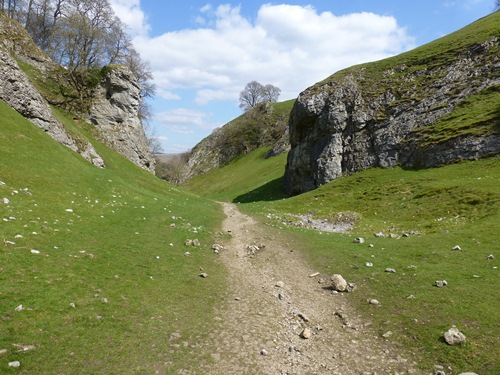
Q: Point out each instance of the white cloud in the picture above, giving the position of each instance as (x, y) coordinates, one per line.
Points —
(288, 46)
(184, 120)
(130, 12)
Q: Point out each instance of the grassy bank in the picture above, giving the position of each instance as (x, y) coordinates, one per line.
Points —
(96, 259)
(422, 215)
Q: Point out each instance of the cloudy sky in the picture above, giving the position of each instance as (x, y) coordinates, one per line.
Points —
(202, 53)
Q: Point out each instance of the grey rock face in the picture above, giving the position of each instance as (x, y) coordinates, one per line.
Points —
(355, 123)
(115, 113)
(17, 91)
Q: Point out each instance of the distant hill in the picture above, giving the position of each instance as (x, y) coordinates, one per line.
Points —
(263, 125)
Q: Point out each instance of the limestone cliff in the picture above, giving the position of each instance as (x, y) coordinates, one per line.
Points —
(114, 112)
(412, 110)
(18, 92)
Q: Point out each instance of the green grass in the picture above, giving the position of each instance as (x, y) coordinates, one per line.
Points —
(115, 245)
(454, 205)
(236, 180)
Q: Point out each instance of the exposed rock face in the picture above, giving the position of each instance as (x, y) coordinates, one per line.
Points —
(115, 113)
(352, 122)
(17, 91)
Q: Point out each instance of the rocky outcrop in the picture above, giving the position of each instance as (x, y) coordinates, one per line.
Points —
(114, 113)
(386, 114)
(19, 93)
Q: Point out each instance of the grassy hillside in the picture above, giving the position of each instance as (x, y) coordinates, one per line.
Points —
(437, 208)
(96, 259)
(419, 216)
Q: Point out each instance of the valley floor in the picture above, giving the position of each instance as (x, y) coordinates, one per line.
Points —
(273, 296)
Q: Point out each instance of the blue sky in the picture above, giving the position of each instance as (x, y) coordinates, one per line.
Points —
(203, 53)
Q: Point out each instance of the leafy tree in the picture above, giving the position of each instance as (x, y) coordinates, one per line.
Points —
(255, 93)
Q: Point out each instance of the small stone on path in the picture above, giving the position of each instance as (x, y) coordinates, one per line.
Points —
(359, 240)
(264, 352)
(373, 301)
(338, 283)
(279, 284)
(306, 333)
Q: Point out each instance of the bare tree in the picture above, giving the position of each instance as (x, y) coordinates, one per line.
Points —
(271, 93)
(251, 95)
(255, 93)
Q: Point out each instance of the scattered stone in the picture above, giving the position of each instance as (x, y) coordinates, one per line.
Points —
(379, 235)
(3, 351)
(321, 281)
(264, 352)
(104, 300)
(217, 247)
(175, 336)
(279, 284)
(369, 264)
(338, 283)
(72, 305)
(24, 348)
(314, 274)
(303, 317)
(187, 253)
(350, 287)
(15, 364)
(306, 333)
(359, 240)
(456, 248)
(203, 275)
(5, 200)
(390, 270)
(454, 337)
(439, 372)
(196, 243)
(188, 243)
(387, 334)
(411, 296)
(373, 301)
(69, 210)
(19, 308)
(467, 373)
(440, 283)
(491, 257)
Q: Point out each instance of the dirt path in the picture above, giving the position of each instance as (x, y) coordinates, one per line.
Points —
(272, 299)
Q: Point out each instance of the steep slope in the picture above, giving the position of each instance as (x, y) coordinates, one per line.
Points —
(424, 108)
(30, 81)
(17, 90)
(264, 125)
(93, 276)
